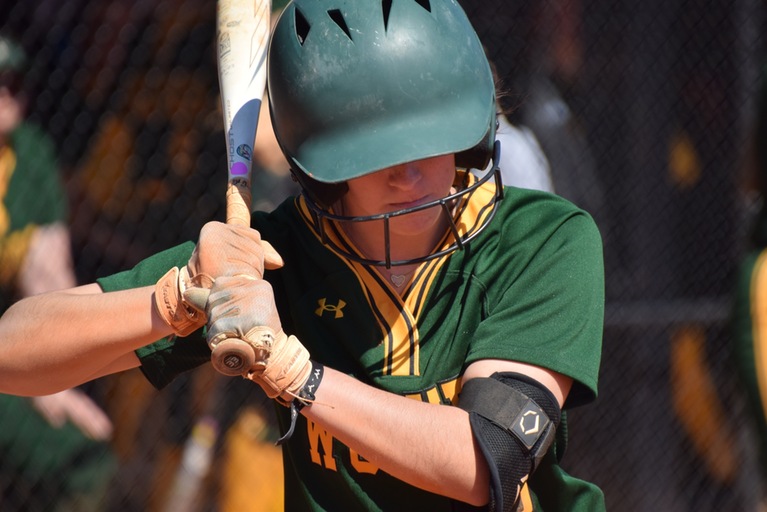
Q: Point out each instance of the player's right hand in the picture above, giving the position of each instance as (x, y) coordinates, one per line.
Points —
(244, 309)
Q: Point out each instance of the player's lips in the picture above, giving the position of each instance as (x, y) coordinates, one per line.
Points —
(410, 203)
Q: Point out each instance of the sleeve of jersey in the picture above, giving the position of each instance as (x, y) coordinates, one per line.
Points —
(552, 314)
(165, 359)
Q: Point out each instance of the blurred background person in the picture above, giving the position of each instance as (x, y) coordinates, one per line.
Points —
(638, 112)
(54, 450)
(523, 163)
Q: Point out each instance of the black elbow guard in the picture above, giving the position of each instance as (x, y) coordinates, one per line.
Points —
(514, 420)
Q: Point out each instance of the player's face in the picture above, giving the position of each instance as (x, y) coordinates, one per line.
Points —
(400, 187)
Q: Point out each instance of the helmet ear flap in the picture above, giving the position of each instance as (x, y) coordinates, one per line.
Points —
(478, 156)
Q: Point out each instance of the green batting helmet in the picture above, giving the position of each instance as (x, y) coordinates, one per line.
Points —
(356, 86)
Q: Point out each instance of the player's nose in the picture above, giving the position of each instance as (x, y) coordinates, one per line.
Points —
(405, 176)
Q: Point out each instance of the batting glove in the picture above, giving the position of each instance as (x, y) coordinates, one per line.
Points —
(243, 308)
(222, 250)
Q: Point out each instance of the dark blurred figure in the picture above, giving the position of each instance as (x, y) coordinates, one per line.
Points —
(636, 110)
(537, 51)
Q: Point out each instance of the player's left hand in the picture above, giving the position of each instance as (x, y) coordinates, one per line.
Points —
(244, 308)
(222, 250)
(230, 250)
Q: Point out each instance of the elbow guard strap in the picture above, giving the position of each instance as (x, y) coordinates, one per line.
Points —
(514, 420)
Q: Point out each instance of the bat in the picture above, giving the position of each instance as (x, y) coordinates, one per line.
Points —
(242, 32)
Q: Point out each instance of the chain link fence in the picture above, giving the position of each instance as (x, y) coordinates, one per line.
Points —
(644, 111)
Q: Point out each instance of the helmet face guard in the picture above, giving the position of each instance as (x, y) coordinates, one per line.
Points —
(449, 205)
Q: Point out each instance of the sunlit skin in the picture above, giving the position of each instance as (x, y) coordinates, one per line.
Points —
(396, 188)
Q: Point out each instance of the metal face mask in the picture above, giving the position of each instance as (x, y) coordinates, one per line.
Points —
(452, 207)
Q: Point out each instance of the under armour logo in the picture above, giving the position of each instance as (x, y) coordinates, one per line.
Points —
(337, 309)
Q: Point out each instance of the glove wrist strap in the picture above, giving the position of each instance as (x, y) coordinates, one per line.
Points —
(171, 306)
(305, 397)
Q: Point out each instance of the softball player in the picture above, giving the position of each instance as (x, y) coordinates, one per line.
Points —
(424, 330)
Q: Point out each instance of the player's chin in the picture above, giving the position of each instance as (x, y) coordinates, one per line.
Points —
(422, 223)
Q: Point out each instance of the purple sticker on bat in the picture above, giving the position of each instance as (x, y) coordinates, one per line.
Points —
(239, 169)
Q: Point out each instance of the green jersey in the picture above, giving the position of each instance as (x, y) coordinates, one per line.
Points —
(528, 288)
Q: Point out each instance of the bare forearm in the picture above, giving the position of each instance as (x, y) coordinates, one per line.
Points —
(54, 341)
(429, 446)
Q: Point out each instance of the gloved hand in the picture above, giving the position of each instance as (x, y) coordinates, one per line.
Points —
(227, 250)
(243, 307)
(222, 250)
